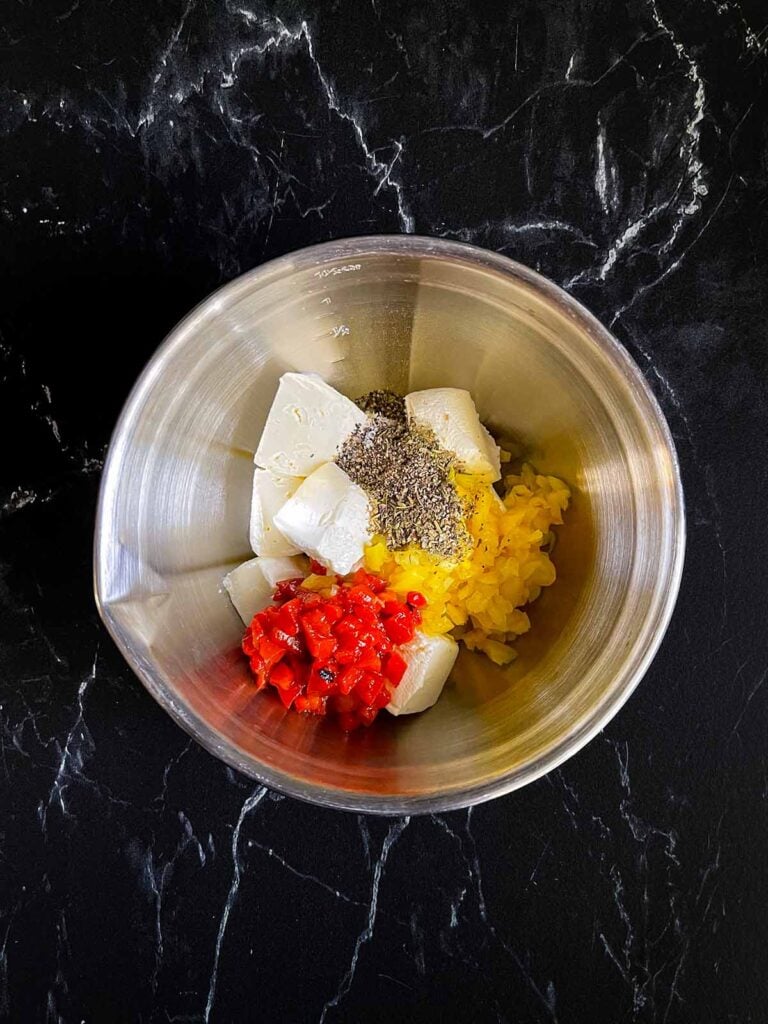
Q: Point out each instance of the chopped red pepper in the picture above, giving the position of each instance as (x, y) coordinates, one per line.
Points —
(333, 654)
(315, 704)
(286, 589)
(270, 652)
(363, 595)
(369, 687)
(285, 640)
(394, 667)
(282, 676)
(333, 611)
(348, 679)
(317, 568)
(289, 693)
(369, 660)
(400, 628)
(287, 617)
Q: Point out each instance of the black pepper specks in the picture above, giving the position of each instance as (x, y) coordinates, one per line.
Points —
(383, 403)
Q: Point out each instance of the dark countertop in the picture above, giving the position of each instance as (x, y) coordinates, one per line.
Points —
(152, 152)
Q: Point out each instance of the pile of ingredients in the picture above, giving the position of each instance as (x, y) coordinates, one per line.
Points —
(385, 537)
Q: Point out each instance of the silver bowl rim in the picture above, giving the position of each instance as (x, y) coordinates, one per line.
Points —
(417, 246)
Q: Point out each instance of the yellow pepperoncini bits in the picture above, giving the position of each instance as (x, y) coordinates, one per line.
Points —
(478, 597)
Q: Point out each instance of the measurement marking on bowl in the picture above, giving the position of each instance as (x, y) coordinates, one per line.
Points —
(341, 329)
(333, 271)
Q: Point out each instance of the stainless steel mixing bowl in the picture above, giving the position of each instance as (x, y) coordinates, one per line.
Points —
(402, 313)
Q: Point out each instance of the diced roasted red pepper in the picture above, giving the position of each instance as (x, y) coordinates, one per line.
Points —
(322, 679)
(333, 611)
(369, 633)
(369, 660)
(316, 621)
(285, 640)
(289, 694)
(383, 698)
(320, 647)
(367, 715)
(394, 667)
(367, 614)
(270, 652)
(315, 704)
(369, 687)
(347, 653)
(300, 667)
(415, 599)
(347, 626)
(363, 595)
(333, 654)
(286, 589)
(317, 568)
(361, 578)
(256, 627)
(317, 633)
(282, 676)
(287, 617)
(399, 628)
(349, 678)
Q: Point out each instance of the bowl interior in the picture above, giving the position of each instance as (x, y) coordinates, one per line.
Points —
(401, 314)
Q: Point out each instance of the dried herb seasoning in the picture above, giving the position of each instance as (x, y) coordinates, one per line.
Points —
(407, 477)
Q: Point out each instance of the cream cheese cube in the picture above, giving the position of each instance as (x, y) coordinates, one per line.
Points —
(270, 493)
(250, 586)
(329, 518)
(451, 414)
(430, 660)
(306, 424)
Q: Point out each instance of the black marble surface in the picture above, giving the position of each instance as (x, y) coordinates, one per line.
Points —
(151, 152)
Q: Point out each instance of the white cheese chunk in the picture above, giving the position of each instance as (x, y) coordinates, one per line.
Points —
(270, 493)
(430, 660)
(451, 414)
(306, 424)
(328, 517)
(250, 585)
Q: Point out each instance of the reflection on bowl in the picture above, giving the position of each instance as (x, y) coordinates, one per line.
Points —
(403, 313)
